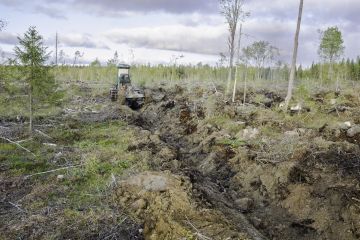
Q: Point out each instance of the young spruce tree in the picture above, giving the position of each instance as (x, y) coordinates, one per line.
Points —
(40, 83)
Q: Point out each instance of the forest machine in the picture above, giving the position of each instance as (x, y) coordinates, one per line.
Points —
(132, 96)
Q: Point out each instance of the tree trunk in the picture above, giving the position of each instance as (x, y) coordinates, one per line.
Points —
(235, 83)
(245, 85)
(230, 70)
(56, 50)
(232, 54)
(293, 64)
(30, 111)
(238, 62)
(239, 45)
(321, 75)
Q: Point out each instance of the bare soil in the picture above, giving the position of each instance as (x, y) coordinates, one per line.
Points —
(203, 183)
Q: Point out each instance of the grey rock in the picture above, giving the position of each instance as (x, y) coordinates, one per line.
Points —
(352, 132)
(60, 177)
(345, 125)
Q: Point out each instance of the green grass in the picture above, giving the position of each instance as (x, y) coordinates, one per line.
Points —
(99, 151)
(103, 153)
(19, 162)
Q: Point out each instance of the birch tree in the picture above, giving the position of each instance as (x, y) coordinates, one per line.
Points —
(232, 10)
(331, 48)
(237, 62)
(238, 55)
(294, 58)
(62, 57)
(259, 53)
(77, 56)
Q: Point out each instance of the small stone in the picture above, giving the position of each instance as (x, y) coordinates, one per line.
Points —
(245, 204)
(352, 132)
(345, 125)
(60, 177)
(332, 101)
(296, 108)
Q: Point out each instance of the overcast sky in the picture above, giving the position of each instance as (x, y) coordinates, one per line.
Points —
(156, 31)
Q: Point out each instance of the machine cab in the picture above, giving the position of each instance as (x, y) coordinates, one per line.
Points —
(123, 77)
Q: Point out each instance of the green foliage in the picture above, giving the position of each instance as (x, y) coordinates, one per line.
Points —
(302, 93)
(180, 72)
(95, 63)
(346, 69)
(31, 52)
(40, 82)
(331, 46)
(19, 162)
(259, 52)
(114, 61)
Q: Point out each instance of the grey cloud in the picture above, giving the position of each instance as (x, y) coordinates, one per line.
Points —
(276, 22)
(11, 2)
(197, 19)
(113, 7)
(319, 10)
(49, 8)
(50, 12)
(201, 39)
(271, 20)
(80, 40)
(8, 38)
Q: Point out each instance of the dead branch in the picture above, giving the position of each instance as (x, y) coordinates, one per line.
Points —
(17, 207)
(17, 144)
(214, 86)
(198, 234)
(24, 140)
(51, 171)
(43, 134)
